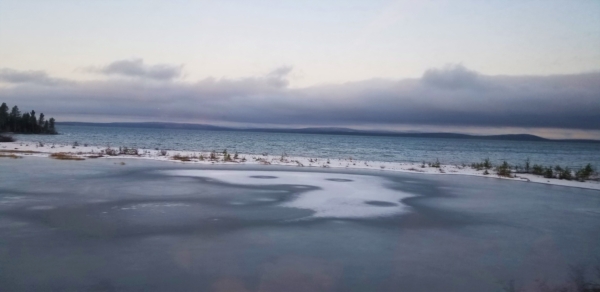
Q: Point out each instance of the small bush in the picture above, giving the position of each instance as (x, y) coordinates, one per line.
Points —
(128, 151)
(537, 169)
(584, 173)
(504, 170)
(548, 173)
(435, 164)
(486, 164)
(65, 156)
(163, 152)
(181, 158)
(111, 152)
(565, 174)
(6, 139)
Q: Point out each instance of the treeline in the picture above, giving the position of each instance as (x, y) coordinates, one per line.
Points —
(26, 123)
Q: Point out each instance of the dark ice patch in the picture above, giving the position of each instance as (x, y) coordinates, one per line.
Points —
(263, 176)
(381, 203)
(339, 179)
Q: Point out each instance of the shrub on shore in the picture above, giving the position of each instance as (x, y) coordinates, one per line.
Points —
(504, 170)
(565, 174)
(557, 172)
(435, 164)
(584, 173)
(128, 151)
(181, 158)
(6, 138)
(537, 169)
(65, 156)
(486, 164)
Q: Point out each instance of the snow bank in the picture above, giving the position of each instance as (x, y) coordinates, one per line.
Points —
(34, 149)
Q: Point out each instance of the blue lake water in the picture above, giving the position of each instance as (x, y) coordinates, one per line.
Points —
(393, 149)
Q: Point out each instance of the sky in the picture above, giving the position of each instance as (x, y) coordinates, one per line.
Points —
(451, 66)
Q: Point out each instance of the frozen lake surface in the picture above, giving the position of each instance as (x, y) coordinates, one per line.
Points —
(156, 226)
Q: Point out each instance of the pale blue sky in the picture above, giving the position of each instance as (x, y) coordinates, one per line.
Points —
(324, 41)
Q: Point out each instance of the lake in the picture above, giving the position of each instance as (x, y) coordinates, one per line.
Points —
(371, 148)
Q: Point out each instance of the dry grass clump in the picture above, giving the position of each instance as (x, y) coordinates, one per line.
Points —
(181, 158)
(65, 156)
(10, 156)
(19, 151)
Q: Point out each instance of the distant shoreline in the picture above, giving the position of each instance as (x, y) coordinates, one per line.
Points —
(329, 131)
(69, 152)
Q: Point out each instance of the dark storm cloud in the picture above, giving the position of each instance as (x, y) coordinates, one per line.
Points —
(137, 68)
(451, 96)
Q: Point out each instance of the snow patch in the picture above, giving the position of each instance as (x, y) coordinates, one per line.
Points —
(337, 196)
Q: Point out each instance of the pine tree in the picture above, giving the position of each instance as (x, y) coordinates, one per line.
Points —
(51, 129)
(26, 123)
(3, 117)
(41, 123)
(14, 119)
(32, 122)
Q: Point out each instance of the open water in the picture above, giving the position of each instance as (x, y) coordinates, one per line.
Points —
(390, 149)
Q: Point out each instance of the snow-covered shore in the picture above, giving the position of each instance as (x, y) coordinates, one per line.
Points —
(23, 148)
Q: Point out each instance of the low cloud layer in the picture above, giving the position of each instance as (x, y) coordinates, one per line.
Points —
(137, 68)
(11, 76)
(450, 96)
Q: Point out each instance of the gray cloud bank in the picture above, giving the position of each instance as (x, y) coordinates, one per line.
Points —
(450, 96)
(8, 75)
(137, 68)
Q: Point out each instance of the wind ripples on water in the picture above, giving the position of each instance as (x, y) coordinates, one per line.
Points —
(371, 148)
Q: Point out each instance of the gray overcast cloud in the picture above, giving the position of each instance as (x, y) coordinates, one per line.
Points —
(449, 96)
(137, 68)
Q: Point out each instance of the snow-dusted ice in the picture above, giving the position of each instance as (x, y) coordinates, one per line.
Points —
(337, 196)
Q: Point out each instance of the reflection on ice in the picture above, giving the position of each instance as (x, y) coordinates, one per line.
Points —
(337, 196)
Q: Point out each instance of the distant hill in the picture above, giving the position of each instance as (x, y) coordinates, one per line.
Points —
(152, 125)
(328, 131)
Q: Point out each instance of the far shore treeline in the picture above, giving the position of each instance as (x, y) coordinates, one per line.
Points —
(27, 123)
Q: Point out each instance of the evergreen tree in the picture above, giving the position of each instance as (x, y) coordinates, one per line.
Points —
(27, 123)
(14, 119)
(32, 122)
(3, 117)
(25, 119)
(41, 123)
(51, 129)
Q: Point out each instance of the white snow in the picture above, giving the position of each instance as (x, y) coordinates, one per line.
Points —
(18, 148)
(345, 196)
